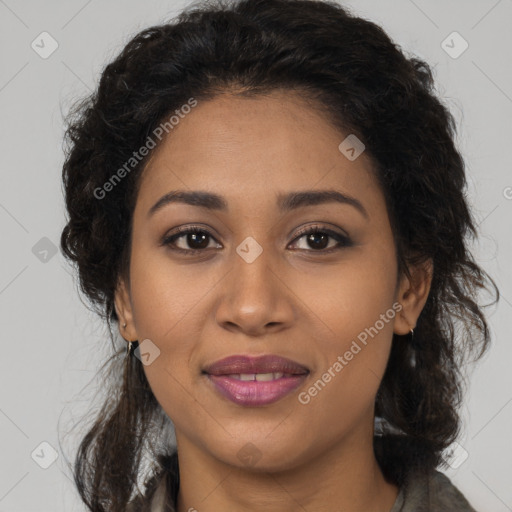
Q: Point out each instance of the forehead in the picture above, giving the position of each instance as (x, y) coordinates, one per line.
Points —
(243, 148)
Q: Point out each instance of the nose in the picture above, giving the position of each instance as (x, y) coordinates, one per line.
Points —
(255, 298)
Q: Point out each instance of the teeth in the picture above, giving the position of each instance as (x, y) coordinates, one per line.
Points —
(256, 376)
(268, 376)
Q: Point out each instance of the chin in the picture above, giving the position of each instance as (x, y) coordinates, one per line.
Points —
(259, 456)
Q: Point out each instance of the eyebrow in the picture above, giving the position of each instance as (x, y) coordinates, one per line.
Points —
(285, 202)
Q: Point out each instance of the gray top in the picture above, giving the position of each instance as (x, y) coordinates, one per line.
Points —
(433, 494)
(418, 494)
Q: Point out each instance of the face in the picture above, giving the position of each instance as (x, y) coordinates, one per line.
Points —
(254, 284)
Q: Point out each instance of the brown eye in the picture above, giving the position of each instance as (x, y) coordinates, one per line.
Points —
(317, 239)
(195, 239)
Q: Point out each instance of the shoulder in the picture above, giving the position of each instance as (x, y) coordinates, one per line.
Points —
(432, 493)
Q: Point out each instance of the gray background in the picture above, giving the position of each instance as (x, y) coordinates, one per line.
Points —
(52, 345)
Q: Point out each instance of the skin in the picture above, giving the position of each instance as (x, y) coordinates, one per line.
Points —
(291, 301)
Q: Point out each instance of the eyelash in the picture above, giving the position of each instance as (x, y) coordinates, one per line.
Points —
(342, 240)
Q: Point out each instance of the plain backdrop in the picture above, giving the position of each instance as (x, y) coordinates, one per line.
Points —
(51, 343)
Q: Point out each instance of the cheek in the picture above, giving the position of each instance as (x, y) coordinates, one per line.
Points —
(167, 310)
(352, 294)
(343, 391)
(165, 294)
(354, 308)
(173, 389)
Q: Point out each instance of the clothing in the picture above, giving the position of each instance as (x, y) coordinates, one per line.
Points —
(433, 494)
(412, 497)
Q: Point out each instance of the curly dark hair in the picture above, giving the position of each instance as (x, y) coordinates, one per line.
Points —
(365, 85)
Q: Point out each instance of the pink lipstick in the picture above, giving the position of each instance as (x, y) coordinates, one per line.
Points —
(256, 381)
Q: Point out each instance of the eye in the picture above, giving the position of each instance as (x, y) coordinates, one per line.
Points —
(195, 236)
(198, 239)
(318, 238)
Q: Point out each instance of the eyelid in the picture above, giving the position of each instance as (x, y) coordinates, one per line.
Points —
(180, 231)
(320, 227)
(343, 239)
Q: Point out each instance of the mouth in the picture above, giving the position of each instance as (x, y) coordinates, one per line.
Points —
(255, 381)
(250, 365)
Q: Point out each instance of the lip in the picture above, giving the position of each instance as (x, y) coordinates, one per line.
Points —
(253, 392)
(255, 364)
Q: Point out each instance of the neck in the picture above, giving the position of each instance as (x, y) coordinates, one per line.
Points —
(345, 477)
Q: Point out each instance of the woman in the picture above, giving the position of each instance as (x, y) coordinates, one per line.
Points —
(265, 197)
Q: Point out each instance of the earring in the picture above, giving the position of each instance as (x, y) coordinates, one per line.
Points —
(130, 344)
(413, 349)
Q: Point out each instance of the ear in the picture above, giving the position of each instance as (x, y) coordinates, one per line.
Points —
(412, 295)
(123, 306)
